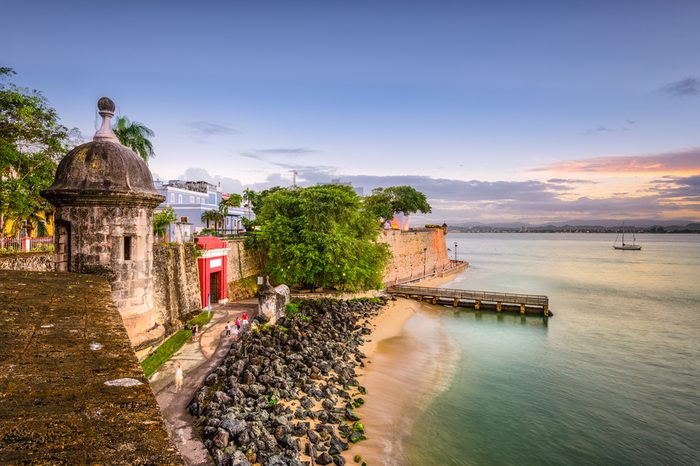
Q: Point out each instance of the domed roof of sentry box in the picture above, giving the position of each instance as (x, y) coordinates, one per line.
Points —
(103, 171)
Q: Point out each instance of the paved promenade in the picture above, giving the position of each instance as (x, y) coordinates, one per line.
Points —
(197, 358)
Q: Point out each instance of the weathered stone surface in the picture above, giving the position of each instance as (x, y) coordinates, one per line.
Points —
(55, 407)
(30, 261)
(414, 251)
(243, 267)
(176, 291)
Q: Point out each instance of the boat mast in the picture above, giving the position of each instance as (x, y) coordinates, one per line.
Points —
(623, 233)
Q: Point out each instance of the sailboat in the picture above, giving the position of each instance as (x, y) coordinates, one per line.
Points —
(626, 246)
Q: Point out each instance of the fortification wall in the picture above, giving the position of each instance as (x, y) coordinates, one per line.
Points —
(176, 291)
(29, 261)
(73, 396)
(243, 267)
(414, 252)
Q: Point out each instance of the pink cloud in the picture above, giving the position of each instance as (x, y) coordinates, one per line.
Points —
(684, 161)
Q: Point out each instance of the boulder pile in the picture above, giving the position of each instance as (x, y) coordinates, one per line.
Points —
(286, 393)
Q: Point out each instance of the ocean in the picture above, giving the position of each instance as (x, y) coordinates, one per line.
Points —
(612, 379)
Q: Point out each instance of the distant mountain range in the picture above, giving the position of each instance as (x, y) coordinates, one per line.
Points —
(597, 226)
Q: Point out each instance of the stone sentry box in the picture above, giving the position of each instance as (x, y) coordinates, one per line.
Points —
(104, 198)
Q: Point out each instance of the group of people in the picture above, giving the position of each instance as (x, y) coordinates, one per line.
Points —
(231, 331)
(234, 330)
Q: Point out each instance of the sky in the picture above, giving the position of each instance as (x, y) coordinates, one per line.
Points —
(499, 111)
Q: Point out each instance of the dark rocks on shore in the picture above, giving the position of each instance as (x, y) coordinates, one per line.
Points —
(288, 389)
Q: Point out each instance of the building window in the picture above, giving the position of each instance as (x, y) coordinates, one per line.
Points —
(184, 220)
(127, 248)
(179, 198)
(191, 199)
(172, 197)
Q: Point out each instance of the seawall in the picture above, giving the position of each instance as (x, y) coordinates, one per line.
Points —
(176, 290)
(71, 388)
(243, 266)
(415, 253)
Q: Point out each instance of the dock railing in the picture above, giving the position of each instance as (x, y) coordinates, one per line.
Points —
(523, 302)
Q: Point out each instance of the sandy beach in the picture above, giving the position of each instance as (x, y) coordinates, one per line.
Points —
(409, 361)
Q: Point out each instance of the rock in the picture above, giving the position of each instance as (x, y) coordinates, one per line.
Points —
(324, 458)
(239, 459)
(233, 426)
(350, 415)
(356, 436)
(211, 380)
(221, 439)
(338, 460)
(221, 397)
(337, 446)
(313, 360)
(313, 436)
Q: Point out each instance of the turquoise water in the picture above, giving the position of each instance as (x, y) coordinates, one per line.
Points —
(612, 378)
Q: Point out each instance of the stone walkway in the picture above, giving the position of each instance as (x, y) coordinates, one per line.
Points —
(197, 358)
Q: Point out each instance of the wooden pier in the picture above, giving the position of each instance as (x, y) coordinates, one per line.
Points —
(522, 303)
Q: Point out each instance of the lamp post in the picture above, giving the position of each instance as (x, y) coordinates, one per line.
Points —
(455, 250)
(425, 250)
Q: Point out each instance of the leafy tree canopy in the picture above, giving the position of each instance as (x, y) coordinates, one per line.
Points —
(31, 142)
(234, 200)
(135, 136)
(319, 236)
(162, 219)
(385, 202)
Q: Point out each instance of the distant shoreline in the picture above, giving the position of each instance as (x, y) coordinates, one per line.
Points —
(591, 230)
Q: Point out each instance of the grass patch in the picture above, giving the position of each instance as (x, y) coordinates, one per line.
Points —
(170, 346)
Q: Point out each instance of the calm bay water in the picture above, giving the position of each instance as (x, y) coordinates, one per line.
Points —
(612, 378)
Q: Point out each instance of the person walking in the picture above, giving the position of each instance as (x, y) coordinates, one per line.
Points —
(235, 332)
(228, 329)
(179, 377)
(238, 323)
(245, 319)
(195, 331)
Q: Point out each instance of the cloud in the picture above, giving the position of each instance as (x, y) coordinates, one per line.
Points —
(271, 155)
(685, 87)
(570, 181)
(286, 151)
(210, 128)
(531, 201)
(252, 155)
(228, 185)
(663, 163)
(600, 129)
(608, 129)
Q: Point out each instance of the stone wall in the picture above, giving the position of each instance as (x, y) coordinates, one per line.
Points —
(176, 291)
(243, 268)
(413, 252)
(72, 389)
(30, 261)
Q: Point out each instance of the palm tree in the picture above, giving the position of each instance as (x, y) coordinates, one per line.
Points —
(135, 136)
(212, 216)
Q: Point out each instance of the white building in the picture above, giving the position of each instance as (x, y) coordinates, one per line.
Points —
(191, 199)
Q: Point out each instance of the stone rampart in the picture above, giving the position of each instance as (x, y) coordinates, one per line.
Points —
(29, 261)
(415, 253)
(72, 390)
(243, 267)
(176, 291)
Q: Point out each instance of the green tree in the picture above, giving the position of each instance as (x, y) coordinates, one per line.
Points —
(135, 136)
(320, 236)
(234, 200)
(214, 216)
(385, 202)
(161, 221)
(31, 142)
